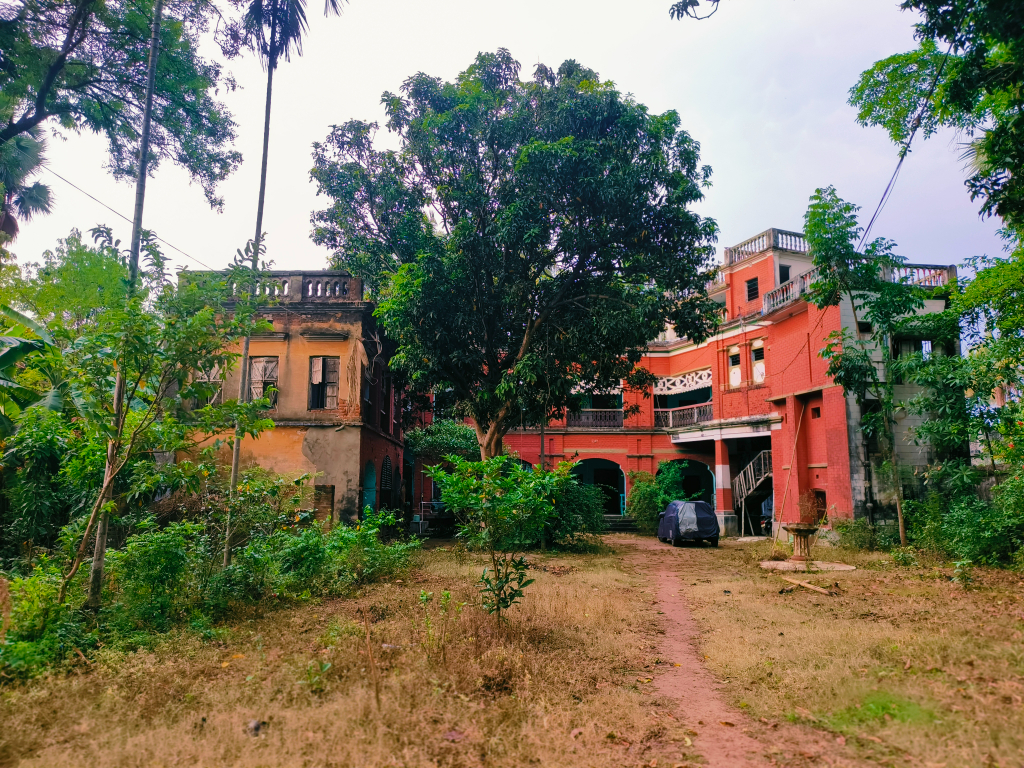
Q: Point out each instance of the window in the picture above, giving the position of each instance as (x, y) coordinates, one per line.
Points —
(816, 412)
(783, 273)
(757, 361)
(752, 292)
(926, 349)
(212, 382)
(735, 374)
(323, 383)
(263, 379)
(863, 327)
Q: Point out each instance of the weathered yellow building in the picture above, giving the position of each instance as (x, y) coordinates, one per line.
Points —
(336, 413)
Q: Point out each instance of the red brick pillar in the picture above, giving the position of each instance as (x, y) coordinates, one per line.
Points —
(723, 479)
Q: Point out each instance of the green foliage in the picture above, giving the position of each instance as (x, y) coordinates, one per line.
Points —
(968, 75)
(437, 625)
(502, 508)
(858, 534)
(170, 576)
(443, 437)
(578, 515)
(581, 248)
(81, 65)
(649, 494)
(645, 502)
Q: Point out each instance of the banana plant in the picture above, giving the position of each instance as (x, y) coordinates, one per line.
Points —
(15, 347)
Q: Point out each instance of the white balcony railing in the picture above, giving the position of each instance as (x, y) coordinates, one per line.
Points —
(686, 416)
(789, 291)
(595, 418)
(924, 275)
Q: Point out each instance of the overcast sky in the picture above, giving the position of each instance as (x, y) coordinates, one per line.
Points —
(762, 86)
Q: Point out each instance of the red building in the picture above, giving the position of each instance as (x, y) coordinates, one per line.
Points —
(751, 411)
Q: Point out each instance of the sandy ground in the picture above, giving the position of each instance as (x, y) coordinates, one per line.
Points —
(725, 736)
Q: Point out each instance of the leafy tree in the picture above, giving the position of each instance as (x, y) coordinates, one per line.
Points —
(526, 241)
(81, 65)
(74, 284)
(966, 74)
(864, 367)
(21, 199)
(273, 29)
(443, 437)
(154, 342)
(502, 508)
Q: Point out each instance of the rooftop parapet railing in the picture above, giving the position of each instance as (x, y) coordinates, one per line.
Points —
(320, 286)
(779, 239)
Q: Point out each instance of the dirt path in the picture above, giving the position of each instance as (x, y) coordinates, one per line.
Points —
(701, 708)
(726, 737)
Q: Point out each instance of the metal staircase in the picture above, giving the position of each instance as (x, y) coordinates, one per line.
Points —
(751, 477)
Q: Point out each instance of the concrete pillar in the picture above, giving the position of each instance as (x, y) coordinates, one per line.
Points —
(727, 523)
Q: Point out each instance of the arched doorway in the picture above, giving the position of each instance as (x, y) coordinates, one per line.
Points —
(697, 481)
(608, 476)
(369, 487)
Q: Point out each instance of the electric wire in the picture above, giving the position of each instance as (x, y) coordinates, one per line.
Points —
(118, 213)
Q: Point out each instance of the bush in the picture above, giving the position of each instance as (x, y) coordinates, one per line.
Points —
(171, 576)
(503, 508)
(645, 501)
(41, 633)
(856, 534)
(578, 513)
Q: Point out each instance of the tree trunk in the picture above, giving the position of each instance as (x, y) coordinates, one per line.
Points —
(243, 386)
(113, 445)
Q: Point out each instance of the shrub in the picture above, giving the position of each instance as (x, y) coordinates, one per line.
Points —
(856, 534)
(41, 633)
(578, 513)
(645, 501)
(502, 508)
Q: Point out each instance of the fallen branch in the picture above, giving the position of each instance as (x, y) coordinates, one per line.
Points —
(806, 585)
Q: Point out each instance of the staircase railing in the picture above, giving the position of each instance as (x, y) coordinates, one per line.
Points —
(752, 475)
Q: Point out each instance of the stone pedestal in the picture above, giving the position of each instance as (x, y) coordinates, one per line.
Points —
(802, 533)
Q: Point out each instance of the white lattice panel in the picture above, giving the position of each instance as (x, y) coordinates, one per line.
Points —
(676, 385)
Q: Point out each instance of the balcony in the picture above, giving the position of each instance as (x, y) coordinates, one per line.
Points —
(787, 292)
(686, 416)
(595, 418)
(923, 275)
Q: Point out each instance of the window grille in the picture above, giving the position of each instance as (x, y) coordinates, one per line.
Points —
(752, 291)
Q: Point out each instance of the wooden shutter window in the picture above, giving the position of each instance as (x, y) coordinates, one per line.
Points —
(332, 366)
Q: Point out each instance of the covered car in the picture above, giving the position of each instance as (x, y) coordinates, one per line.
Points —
(688, 521)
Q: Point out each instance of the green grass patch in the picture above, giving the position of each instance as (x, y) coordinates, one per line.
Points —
(875, 708)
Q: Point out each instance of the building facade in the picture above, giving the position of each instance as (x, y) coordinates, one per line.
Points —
(752, 411)
(336, 414)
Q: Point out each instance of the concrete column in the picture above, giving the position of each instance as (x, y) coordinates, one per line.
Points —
(727, 523)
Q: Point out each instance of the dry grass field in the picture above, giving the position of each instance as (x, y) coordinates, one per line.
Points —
(558, 685)
(901, 667)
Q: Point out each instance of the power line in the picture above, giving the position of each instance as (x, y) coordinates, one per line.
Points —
(905, 150)
(118, 213)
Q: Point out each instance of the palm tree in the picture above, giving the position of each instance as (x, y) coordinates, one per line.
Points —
(273, 29)
(20, 159)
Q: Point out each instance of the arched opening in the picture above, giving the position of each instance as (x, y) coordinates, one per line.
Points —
(385, 483)
(369, 487)
(696, 480)
(609, 477)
